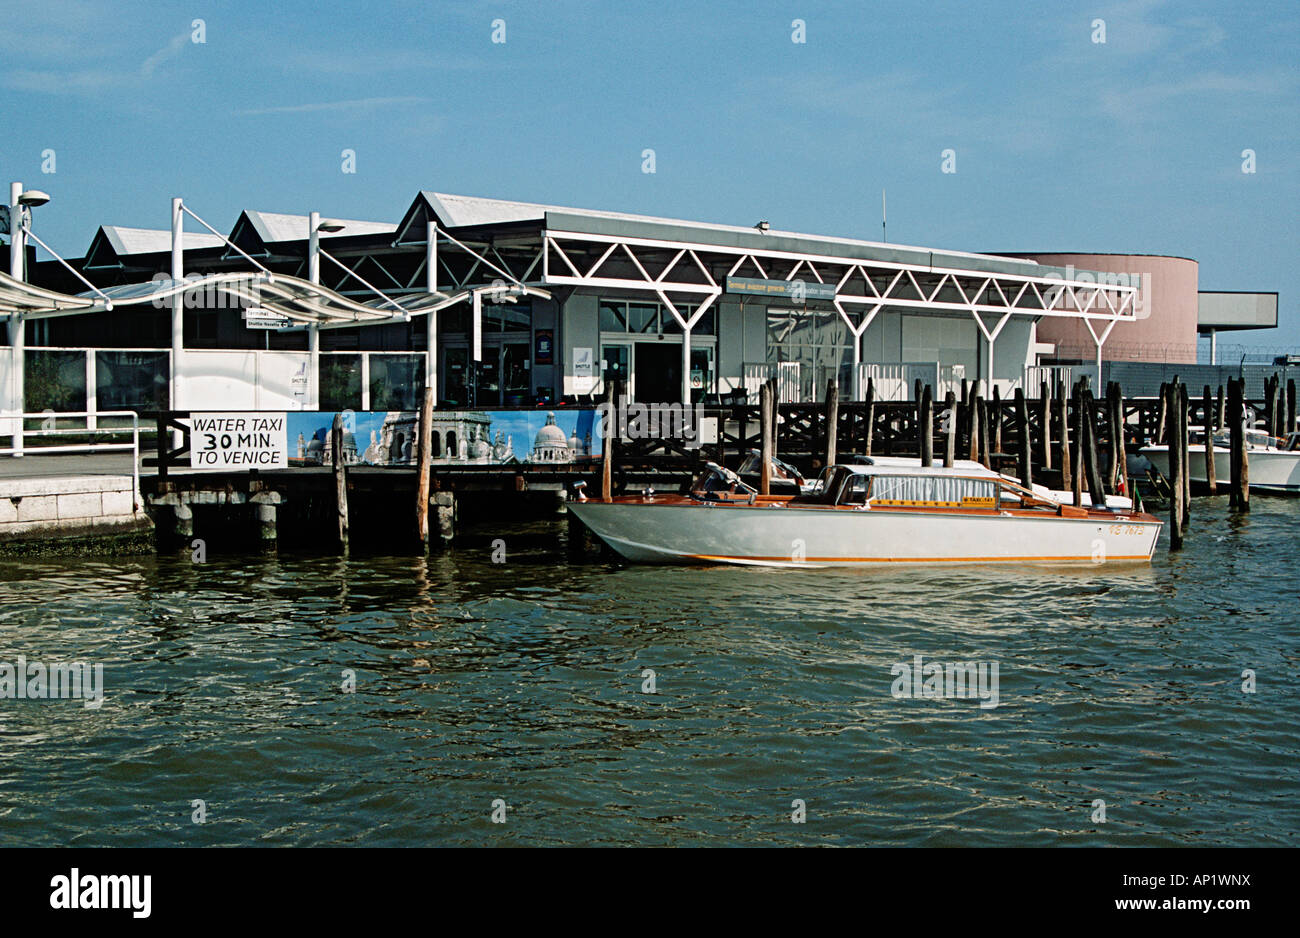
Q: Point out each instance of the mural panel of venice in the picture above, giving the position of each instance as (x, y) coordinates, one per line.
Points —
(462, 437)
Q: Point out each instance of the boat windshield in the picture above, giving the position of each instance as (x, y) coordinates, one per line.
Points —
(753, 465)
(932, 491)
(716, 483)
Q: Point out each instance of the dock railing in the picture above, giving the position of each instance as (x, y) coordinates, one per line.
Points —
(92, 429)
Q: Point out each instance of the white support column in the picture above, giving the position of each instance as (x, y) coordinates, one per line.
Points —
(365, 381)
(990, 336)
(431, 276)
(476, 352)
(1214, 347)
(855, 378)
(17, 323)
(686, 365)
(1100, 341)
(988, 374)
(92, 390)
(178, 308)
(313, 329)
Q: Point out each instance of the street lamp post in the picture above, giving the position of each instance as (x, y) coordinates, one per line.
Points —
(314, 228)
(20, 206)
(17, 328)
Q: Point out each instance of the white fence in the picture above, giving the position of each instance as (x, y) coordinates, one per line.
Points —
(788, 388)
(49, 428)
(896, 381)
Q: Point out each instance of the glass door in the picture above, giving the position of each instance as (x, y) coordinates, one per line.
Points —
(455, 375)
(515, 388)
(701, 373)
(614, 360)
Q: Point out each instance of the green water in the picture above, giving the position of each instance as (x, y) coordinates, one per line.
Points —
(525, 681)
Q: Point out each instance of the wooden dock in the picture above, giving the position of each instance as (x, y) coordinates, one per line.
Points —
(1067, 438)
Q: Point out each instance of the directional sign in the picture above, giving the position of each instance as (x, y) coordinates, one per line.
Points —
(258, 318)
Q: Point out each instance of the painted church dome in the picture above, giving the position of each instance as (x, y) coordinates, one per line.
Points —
(550, 435)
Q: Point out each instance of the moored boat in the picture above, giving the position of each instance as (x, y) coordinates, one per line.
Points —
(886, 510)
(1273, 467)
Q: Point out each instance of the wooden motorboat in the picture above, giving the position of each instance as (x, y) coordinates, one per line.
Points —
(885, 510)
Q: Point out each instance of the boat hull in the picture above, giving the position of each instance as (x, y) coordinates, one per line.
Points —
(684, 532)
(1270, 470)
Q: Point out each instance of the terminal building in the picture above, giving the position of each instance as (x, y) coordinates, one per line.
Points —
(495, 303)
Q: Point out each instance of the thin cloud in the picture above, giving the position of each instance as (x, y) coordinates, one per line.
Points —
(169, 51)
(349, 105)
(84, 81)
(1146, 101)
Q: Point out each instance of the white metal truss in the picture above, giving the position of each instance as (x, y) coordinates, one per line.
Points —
(921, 286)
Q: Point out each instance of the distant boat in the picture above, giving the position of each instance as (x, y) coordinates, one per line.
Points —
(885, 510)
(1273, 468)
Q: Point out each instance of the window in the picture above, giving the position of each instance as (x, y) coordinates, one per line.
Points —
(639, 317)
(497, 318)
(613, 316)
(340, 382)
(396, 382)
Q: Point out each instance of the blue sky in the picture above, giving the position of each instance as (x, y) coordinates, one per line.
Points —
(1061, 143)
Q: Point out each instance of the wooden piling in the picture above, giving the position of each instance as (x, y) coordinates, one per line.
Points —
(1175, 473)
(1270, 399)
(1163, 414)
(608, 438)
(832, 419)
(1290, 406)
(765, 435)
(995, 420)
(1026, 446)
(1243, 499)
(1185, 454)
(1122, 443)
(976, 406)
(1088, 441)
(950, 423)
(776, 414)
(1113, 432)
(1062, 405)
(1211, 481)
(1045, 423)
(1238, 494)
(340, 480)
(925, 427)
(1218, 412)
(870, 416)
(1279, 405)
(424, 457)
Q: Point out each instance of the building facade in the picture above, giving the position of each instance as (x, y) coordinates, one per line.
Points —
(495, 303)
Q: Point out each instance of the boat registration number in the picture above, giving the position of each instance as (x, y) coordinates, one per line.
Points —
(1117, 529)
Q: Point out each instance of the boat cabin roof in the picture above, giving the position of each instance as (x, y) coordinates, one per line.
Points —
(904, 465)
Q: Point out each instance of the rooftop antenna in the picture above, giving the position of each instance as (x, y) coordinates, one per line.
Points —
(884, 234)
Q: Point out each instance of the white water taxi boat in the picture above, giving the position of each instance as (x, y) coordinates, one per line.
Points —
(1274, 463)
(886, 510)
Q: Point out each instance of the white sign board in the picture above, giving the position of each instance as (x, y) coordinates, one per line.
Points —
(584, 378)
(258, 318)
(233, 441)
